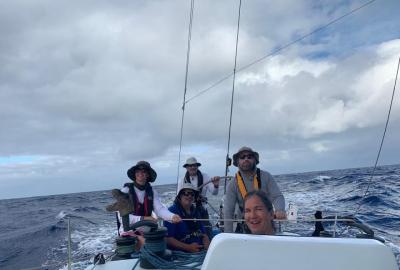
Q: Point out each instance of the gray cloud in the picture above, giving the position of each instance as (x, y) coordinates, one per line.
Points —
(87, 89)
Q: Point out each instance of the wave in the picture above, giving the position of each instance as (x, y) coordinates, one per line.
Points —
(350, 199)
(86, 209)
(61, 215)
(321, 178)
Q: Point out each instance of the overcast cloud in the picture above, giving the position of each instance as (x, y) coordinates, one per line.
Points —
(88, 88)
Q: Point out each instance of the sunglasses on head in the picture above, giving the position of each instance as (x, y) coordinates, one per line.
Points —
(188, 193)
(248, 156)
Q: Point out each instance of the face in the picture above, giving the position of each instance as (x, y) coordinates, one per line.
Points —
(141, 176)
(187, 197)
(192, 169)
(246, 161)
(257, 216)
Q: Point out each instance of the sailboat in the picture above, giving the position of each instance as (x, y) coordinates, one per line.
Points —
(241, 251)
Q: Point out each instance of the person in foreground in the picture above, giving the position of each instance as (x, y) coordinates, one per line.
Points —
(188, 235)
(138, 200)
(259, 213)
(249, 178)
(199, 180)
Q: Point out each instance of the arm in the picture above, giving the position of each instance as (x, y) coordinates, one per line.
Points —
(275, 193)
(214, 186)
(160, 209)
(229, 206)
(211, 187)
(206, 241)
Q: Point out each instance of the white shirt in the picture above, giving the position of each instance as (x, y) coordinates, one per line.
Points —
(159, 209)
(194, 181)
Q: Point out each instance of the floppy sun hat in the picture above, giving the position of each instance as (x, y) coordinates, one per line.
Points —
(142, 165)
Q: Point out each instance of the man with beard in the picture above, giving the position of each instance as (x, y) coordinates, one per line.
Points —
(247, 179)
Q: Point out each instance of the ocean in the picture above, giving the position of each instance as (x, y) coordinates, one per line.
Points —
(33, 231)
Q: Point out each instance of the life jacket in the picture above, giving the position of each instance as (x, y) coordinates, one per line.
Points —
(199, 179)
(242, 186)
(192, 226)
(140, 209)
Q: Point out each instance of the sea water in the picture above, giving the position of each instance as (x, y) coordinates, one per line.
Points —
(33, 231)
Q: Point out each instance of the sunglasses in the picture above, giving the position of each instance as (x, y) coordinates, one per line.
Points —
(188, 193)
(192, 166)
(248, 156)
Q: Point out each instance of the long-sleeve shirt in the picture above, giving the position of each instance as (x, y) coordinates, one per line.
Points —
(234, 197)
(159, 209)
(194, 181)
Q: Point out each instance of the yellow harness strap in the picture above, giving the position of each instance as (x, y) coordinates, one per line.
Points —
(241, 185)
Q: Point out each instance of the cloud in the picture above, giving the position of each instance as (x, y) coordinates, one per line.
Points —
(96, 87)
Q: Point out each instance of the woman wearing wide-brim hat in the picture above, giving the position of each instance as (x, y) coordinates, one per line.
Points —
(143, 198)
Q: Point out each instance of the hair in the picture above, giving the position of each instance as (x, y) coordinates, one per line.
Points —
(263, 197)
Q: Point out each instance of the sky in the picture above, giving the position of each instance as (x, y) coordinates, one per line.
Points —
(88, 88)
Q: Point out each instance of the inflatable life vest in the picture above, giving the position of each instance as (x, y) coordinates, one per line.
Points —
(193, 230)
(140, 209)
(242, 186)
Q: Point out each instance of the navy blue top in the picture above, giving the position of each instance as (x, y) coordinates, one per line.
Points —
(185, 231)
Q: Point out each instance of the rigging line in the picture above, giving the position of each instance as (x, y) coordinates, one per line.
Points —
(279, 49)
(382, 140)
(233, 94)
(185, 89)
(233, 85)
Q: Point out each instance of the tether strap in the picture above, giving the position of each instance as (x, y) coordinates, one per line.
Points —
(118, 223)
(242, 186)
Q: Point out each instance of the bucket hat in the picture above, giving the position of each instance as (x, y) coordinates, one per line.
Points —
(191, 161)
(187, 186)
(245, 149)
(144, 165)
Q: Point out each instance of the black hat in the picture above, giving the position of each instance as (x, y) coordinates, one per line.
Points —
(144, 165)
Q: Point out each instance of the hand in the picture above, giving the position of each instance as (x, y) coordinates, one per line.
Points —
(140, 242)
(215, 181)
(280, 214)
(194, 247)
(206, 241)
(176, 219)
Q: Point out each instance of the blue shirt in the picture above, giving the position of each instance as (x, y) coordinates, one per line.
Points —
(185, 231)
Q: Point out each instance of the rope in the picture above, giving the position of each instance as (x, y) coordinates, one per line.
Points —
(233, 93)
(185, 89)
(274, 52)
(181, 260)
(382, 140)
